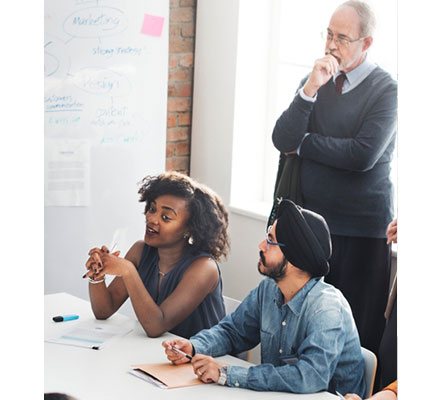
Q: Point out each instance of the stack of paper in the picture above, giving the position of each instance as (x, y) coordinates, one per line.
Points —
(92, 334)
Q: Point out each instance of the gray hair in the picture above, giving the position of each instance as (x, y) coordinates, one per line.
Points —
(366, 16)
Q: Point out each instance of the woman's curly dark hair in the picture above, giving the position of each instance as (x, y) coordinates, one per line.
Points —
(208, 218)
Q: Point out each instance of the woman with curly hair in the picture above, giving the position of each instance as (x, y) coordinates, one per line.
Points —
(172, 276)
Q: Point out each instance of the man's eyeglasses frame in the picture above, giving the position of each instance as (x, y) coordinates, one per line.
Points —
(269, 242)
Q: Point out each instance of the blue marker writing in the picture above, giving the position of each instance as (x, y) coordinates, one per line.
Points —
(62, 318)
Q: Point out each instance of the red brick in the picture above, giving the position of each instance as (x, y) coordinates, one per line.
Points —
(181, 14)
(181, 40)
(177, 134)
(182, 149)
(186, 60)
(180, 74)
(188, 30)
(171, 90)
(173, 60)
(181, 45)
(184, 119)
(171, 120)
(178, 104)
(179, 90)
(170, 149)
(177, 163)
(174, 31)
(187, 3)
(184, 90)
(177, 149)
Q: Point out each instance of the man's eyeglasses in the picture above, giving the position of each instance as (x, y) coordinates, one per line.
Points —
(340, 42)
(269, 242)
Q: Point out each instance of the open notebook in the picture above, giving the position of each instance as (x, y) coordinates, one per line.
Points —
(167, 375)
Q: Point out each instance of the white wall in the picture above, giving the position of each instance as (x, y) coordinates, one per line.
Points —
(213, 125)
(213, 128)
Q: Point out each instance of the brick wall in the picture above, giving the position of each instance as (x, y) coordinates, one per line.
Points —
(180, 84)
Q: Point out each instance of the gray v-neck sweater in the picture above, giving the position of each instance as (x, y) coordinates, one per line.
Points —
(345, 172)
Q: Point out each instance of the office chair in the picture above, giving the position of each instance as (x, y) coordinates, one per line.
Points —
(371, 364)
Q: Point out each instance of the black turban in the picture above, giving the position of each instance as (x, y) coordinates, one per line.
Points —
(306, 237)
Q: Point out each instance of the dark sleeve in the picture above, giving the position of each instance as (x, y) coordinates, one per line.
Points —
(292, 125)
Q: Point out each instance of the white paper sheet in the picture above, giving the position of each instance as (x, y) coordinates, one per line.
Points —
(145, 377)
(67, 169)
(92, 334)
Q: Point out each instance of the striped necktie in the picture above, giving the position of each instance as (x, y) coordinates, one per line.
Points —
(339, 82)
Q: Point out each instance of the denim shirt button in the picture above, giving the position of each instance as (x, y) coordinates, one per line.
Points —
(284, 323)
(237, 384)
(280, 350)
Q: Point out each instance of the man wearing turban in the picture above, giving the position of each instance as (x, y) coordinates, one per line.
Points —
(309, 341)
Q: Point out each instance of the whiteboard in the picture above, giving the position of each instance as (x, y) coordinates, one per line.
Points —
(105, 104)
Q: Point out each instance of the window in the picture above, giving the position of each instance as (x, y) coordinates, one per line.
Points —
(277, 44)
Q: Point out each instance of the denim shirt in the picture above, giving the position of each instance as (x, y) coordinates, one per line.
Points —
(308, 345)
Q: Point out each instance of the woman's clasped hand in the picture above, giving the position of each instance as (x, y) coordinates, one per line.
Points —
(102, 262)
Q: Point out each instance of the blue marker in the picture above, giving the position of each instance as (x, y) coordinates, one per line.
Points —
(62, 318)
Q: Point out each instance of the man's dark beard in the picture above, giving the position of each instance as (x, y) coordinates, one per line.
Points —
(276, 273)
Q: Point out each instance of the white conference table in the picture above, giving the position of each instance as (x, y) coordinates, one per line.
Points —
(103, 374)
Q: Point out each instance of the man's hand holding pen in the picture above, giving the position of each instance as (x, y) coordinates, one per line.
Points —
(179, 351)
(177, 357)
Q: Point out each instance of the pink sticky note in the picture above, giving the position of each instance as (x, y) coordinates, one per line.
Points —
(152, 25)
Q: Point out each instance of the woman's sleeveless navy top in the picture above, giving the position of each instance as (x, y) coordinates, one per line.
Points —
(210, 311)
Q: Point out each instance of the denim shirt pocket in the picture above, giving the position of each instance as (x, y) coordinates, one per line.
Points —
(268, 337)
(269, 347)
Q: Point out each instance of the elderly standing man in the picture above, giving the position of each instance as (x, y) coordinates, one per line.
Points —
(309, 341)
(342, 125)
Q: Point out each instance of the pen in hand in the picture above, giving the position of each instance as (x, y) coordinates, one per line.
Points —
(340, 395)
(178, 351)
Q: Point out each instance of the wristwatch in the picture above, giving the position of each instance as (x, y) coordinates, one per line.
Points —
(222, 375)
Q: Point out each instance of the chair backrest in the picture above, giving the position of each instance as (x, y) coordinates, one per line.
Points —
(371, 363)
(231, 305)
